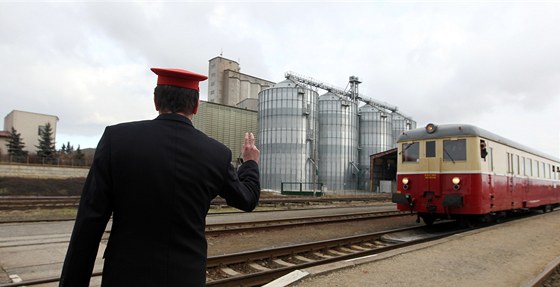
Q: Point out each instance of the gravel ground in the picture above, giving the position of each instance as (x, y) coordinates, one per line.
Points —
(509, 254)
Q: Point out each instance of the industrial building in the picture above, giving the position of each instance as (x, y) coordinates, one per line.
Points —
(311, 141)
(228, 86)
(312, 135)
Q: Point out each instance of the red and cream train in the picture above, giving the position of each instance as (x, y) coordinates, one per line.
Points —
(465, 172)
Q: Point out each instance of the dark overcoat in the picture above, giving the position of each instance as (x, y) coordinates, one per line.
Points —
(156, 178)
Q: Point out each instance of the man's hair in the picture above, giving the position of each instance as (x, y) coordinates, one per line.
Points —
(175, 99)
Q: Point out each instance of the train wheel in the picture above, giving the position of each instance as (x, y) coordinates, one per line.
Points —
(428, 219)
(465, 222)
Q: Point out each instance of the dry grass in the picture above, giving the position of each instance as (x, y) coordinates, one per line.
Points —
(65, 213)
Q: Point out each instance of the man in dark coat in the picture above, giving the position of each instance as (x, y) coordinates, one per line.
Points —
(157, 178)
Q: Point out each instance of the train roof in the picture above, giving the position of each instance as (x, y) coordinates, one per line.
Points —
(457, 130)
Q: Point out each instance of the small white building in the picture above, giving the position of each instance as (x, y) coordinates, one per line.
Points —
(4, 139)
(29, 125)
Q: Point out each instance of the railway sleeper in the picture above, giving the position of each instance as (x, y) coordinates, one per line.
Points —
(230, 272)
(283, 263)
(359, 248)
(303, 258)
(347, 250)
(322, 255)
(336, 252)
(258, 267)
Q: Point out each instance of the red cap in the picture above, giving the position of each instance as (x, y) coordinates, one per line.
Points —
(179, 78)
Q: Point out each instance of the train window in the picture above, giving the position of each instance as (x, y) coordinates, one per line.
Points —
(431, 149)
(516, 164)
(529, 167)
(483, 151)
(411, 152)
(454, 150)
(537, 170)
(508, 155)
(491, 156)
(522, 166)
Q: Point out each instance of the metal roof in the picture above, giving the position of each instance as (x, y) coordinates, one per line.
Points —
(464, 130)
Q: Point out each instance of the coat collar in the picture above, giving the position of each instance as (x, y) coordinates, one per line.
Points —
(174, 117)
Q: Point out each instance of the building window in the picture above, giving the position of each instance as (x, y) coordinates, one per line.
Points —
(41, 130)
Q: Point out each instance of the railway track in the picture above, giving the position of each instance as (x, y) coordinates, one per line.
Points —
(259, 267)
(33, 202)
(228, 228)
(216, 229)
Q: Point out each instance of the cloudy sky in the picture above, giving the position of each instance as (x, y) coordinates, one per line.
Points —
(491, 64)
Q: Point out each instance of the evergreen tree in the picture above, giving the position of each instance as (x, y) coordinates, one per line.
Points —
(15, 146)
(69, 148)
(46, 149)
(79, 156)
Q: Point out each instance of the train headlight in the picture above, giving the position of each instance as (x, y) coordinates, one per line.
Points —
(405, 183)
(431, 128)
(456, 180)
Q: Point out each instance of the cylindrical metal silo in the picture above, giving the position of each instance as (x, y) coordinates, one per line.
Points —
(376, 135)
(338, 142)
(400, 125)
(287, 133)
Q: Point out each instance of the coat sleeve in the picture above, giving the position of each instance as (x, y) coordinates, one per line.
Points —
(242, 189)
(93, 214)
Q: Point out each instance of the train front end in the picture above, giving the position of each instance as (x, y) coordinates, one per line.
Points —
(438, 173)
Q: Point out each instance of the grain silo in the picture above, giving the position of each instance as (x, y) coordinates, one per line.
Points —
(401, 124)
(338, 142)
(287, 132)
(376, 135)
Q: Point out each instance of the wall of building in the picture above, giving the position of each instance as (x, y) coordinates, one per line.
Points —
(4, 139)
(241, 86)
(249, 104)
(28, 124)
(226, 124)
(42, 172)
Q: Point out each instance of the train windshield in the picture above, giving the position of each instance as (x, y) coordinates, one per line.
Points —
(411, 152)
(430, 149)
(454, 150)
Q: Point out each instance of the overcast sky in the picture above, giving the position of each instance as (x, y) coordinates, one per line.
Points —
(492, 64)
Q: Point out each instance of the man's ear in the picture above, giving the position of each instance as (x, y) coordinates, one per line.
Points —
(196, 107)
(155, 103)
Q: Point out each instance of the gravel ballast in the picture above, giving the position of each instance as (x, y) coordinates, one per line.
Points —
(507, 254)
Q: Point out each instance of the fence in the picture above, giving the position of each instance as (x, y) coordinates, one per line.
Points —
(35, 160)
(301, 188)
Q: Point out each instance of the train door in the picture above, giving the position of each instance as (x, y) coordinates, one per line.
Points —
(510, 171)
(487, 156)
(524, 181)
(432, 176)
